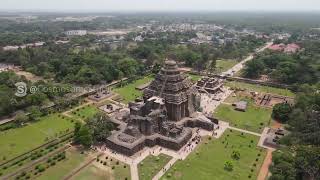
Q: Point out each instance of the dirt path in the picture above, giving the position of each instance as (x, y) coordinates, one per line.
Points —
(263, 174)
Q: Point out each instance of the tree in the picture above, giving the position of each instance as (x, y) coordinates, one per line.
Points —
(83, 136)
(35, 112)
(283, 166)
(212, 66)
(21, 118)
(228, 166)
(281, 112)
(101, 127)
(254, 68)
(235, 155)
(77, 127)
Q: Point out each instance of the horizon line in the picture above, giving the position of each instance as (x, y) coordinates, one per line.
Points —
(152, 11)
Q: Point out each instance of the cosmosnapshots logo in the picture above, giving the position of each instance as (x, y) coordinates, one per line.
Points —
(21, 89)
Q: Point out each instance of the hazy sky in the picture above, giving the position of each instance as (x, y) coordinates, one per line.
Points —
(161, 5)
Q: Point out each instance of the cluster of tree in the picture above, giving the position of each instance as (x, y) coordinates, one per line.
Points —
(32, 102)
(300, 68)
(301, 158)
(96, 130)
(64, 65)
(199, 57)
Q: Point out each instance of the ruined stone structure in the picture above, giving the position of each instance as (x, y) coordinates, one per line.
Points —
(209, 85)
(165, 117)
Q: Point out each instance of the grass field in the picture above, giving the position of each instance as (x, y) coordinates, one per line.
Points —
(73, 160)
(259, 88)
(93, 172)
(99, 171)
(151, 165)
(15, 142)
(85, 112)
(223, 65)
(254, 119)
(207, 161)
(194, 78)
(129, 92)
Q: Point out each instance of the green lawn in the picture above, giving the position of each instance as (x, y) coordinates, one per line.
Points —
(93, 172)
(194, 78)
(129, 93)
(151, 165)
(15, 142)
(225, 64)
(73, 160)
(98, 171)
(260, 88)
(254, 119)
(207, 161)
(85, 112)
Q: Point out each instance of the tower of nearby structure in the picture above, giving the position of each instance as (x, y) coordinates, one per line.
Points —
(176, 89)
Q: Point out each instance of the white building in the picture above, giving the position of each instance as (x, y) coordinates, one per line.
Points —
(76, 33)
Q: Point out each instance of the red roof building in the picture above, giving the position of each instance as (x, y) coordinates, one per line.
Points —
(277, 47)
(292, 48)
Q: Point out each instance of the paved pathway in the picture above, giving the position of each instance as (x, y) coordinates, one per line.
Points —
(165, 168)
(4, 121)
(240, 65)
(245, 131)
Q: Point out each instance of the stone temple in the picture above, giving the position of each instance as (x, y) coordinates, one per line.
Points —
(165, 117)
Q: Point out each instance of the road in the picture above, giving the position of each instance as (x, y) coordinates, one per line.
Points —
(240, 65)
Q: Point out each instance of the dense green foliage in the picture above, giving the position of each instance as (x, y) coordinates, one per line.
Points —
(300, 160)
(86, 67)
(281, 112)
(300, 68)
(96, 129)
(32, 101)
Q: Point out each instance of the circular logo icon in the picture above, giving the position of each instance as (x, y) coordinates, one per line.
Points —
(21, 89)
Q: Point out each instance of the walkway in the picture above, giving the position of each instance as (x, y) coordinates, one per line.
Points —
(4, 121)
(240, 65)
(245, 131)
(264, 170)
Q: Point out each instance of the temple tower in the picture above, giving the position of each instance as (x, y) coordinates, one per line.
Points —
(176, 89)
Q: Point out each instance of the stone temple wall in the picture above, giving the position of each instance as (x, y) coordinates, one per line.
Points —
(149, 142)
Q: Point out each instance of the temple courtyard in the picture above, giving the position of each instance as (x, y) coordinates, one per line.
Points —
(186, 150)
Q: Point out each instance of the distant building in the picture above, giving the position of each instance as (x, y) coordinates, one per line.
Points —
(76, 33)
(10, 48)
(138, 39)
(292, 48)
(31, 45)
(277, 47)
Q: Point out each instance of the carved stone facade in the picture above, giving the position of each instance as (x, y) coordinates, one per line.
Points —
(165, 117)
